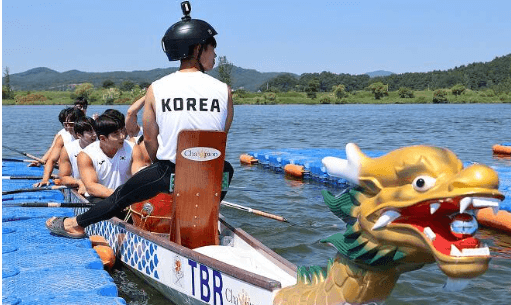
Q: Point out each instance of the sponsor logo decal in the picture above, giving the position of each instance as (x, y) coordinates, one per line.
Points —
(201, 154)
(178, 271)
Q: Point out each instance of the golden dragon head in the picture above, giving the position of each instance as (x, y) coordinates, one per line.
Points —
(414, 205)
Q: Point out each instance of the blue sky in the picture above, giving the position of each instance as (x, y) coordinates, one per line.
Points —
(269, 36)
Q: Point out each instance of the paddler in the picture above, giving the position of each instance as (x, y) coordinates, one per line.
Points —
(64, 133)
(68, 167)
(186, 99)
(68, 135)
(106, 164)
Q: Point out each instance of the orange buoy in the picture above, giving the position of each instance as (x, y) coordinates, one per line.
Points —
(98, 240)
(102, 248)
(248, 159)
(501, 149)
(106, 254)
(500, 221)
(294, 170)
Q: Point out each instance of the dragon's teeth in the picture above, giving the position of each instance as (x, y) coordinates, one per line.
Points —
(480, 202)
(455, 251)
(464, 204)
(429, 233)
(386, 218)
(484, 251)
(434, 207)
(495, 210)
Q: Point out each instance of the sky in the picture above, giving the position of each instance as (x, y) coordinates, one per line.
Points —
(300, 36)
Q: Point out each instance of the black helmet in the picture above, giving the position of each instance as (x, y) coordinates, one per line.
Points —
(185, 34)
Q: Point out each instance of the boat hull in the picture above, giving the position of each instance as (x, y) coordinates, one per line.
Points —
(186, 276)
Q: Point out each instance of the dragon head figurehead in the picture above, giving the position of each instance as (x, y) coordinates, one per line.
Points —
(414, 205)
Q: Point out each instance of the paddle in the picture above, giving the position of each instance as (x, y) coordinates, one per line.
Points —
(253, 211)
(50, 204)
(240, 188)
(36, 189)
(25, 154)
(26, 177)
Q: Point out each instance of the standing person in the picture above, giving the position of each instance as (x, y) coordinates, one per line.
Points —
(106, 164)
(68, 166)
(186, 99)
(72, 114)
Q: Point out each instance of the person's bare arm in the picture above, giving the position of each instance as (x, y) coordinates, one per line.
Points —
(46, 154)
(230, 112)
(50, 163)
(139, 159)
(132, 126)
(66, 172)
(89, 177)
(151, 129)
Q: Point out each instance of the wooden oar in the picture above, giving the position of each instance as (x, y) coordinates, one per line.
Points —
(253, 211)
(25, 154)
(36, 189)
(50, 204)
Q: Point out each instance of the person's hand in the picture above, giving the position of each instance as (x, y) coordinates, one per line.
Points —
(42, 183)
(34, 164)
(81, 188)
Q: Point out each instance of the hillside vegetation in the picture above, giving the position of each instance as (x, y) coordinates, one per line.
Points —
(475, 83)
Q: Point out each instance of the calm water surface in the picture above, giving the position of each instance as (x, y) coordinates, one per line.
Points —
(468, 130)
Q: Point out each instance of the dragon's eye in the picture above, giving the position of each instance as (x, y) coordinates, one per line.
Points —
(423, 183)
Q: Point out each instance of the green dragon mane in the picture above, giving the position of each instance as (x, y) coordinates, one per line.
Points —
(353, 244)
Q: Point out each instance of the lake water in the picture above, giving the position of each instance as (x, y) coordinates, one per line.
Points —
(468, 130)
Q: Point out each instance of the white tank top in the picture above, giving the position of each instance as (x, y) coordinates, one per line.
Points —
(111, 172)
(187, 100)
(73, 149)
(66, 136)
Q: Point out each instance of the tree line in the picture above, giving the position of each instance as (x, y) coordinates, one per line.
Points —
(495, 75)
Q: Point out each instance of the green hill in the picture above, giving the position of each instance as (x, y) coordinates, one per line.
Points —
(48, 79)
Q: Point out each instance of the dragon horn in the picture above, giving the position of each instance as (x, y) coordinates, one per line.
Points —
(347, 169)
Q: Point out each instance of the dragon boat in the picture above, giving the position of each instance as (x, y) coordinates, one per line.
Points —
(405, 209)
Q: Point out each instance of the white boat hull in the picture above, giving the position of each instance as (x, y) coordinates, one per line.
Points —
(242, 272)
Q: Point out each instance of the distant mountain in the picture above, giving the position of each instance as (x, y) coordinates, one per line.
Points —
(48, 79)
(379, 73)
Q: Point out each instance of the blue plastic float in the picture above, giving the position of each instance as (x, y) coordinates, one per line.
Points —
(37, 267)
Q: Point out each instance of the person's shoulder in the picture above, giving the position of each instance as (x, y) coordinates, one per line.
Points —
(165, 78)
(213, 80)
(91, 148)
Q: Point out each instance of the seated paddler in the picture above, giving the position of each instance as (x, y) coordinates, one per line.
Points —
(186, 99)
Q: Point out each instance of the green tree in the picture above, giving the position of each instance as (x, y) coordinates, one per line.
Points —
(340, 91)
(225, 70)
(144, 85)
(440, 96)
(458, 89)
(84, 91)
(110, 95)
(7, 92)
(127, 85)
(108, 84)
(312, 88)
(379, 90)
(405, 92)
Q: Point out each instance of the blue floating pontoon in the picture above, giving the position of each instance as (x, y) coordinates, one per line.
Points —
(37, 267)
(314, 170)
